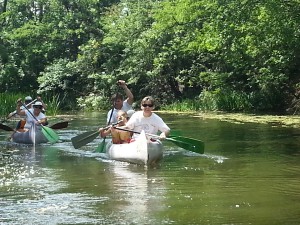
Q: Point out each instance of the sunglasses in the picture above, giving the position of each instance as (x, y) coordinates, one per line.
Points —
(149, 105)
(38, 107)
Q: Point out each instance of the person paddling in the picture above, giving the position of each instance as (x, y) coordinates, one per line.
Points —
(36, 110)
(119, 103)
(147, 120)
(28, 102)
(118, 136)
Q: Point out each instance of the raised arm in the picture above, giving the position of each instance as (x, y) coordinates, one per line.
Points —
(128, 93)
(39, 98)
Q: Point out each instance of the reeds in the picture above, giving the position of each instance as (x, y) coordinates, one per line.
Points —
(8, 103)
(53, 105)
(213, 101)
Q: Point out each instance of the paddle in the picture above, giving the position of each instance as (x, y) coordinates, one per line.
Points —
(7, 128)
(101, 146)
(60, 125)
(51, 136)
(186, 143)
(84, 138)
(87, 137)
(15, 112)
(56, 126)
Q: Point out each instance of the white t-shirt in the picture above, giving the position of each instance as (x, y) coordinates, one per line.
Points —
(30, 119)
(151, 124)
(114, 118)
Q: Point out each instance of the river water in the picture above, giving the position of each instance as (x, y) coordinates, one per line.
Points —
(249, 174)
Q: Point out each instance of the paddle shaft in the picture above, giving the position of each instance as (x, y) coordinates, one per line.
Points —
(47, 131)
(15, 112)
(31, 114)
(87, 137)
(101, 146)
(7, 128)
(59, 125)
(186, 143)
(136, 132)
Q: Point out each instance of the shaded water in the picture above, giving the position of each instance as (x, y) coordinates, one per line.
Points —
(249, 174)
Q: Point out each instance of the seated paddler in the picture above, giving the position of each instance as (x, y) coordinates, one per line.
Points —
(148, 121)
(33, 115)
(118, 136)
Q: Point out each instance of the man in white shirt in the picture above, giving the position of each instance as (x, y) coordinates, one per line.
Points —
(119, 103)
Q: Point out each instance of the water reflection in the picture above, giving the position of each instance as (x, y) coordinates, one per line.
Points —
(31, 187)
(133, 187)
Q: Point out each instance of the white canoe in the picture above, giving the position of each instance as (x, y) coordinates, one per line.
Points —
(139, 151)
(33, 136)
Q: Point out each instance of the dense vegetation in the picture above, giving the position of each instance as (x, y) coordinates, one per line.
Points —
(237, 55)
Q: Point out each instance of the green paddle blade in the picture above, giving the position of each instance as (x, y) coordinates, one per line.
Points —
(84, 138)
(51, 136)
(175, 133)
(189, 144)
(101, 146)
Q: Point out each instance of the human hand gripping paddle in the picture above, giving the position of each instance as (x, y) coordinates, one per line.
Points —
(87, 137)
(51, 136)
(7, 128)
(186, 143)
(102, 145)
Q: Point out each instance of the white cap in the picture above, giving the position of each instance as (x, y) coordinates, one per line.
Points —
(28, 98)
(130, 113)
(37, 104)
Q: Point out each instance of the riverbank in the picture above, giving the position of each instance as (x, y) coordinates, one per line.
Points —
(282, 121)
(275, 120)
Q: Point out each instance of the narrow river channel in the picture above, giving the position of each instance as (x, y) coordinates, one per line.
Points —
(249, 174)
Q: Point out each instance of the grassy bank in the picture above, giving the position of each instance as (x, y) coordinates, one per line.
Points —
(283, 121)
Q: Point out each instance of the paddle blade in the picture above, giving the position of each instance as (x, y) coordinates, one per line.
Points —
(84, 138)
(189, 144)
(51, 136)
(176, 133)
(6, 128)
(101, 146)
(60, 125)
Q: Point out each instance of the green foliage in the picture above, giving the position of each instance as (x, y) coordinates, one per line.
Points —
(8, 103)
(217, 100)
(53, 105)
(92, 102)
(227, 55)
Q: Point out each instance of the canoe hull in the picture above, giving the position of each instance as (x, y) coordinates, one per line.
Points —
(139, 152)
(32, 136)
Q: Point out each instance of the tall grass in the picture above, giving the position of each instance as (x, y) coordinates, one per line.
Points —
(53, 105)
(8, 103)
(214, 101)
